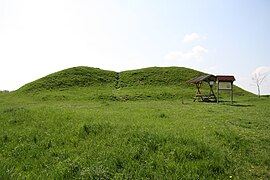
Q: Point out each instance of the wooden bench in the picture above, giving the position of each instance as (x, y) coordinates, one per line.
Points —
(203, 97)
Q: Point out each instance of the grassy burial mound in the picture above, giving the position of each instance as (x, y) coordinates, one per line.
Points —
(77, 83)
(157, 76)
(91, 83)
(154, 83)
(86, 77)
(73, 77)
(165, 83)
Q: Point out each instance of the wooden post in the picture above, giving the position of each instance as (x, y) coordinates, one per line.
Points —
(217, 91)
(198, 94)
(232, 92)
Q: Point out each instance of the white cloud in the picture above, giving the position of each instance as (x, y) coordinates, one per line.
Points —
(191, 37)
(196, 54)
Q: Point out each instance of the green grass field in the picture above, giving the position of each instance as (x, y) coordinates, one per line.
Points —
(140, 124)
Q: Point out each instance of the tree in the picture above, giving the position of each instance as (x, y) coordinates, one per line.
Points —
(258, 76)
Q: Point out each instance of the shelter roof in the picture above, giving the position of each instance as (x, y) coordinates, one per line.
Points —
(225, 78)
(207, 78)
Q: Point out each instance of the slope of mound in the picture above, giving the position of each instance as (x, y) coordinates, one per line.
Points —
(73, 77)
(157, 76)
(147, 83)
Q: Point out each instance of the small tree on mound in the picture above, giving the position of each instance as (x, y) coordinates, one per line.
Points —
(258, 77)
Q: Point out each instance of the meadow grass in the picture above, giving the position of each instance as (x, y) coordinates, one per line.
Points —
(133, 139)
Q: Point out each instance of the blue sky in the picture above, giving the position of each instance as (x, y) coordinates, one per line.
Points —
(214, 36)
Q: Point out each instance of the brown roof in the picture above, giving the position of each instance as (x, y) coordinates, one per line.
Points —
(225, 78)
(208, 77)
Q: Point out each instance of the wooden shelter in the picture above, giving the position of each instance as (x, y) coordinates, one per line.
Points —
(225, 83)
(210, 79)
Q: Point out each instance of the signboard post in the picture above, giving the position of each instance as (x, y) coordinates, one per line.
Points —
(225, 83)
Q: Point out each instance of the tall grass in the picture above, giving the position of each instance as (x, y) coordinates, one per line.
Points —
(153, 139)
